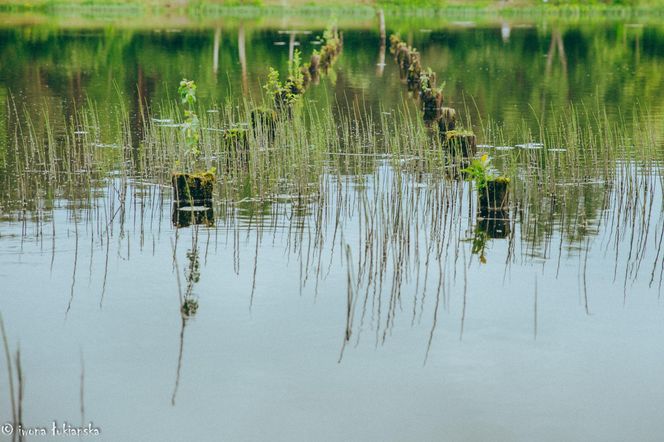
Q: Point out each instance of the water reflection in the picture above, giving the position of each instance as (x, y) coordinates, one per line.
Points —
(188, 299)
(615, 61)
(367, 226)
(185, 215)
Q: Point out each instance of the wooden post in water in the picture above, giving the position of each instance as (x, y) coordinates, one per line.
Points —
(495, 196)
(447, 120)
(461, 143)
(192, 188)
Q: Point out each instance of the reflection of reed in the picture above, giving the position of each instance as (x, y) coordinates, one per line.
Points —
(179, 363)
(188, 300)
(331, 183)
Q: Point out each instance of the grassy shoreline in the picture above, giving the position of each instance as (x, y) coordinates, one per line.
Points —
(514, 8)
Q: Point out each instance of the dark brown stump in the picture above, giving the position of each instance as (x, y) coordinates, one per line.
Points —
(193, 189)
(432, 102)
(447, 120)
(460, 143)
(414, 73)
(403, 58)
(495, 196)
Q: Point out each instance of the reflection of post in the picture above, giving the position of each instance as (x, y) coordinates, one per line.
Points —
(505, 31)
(243, 57)
(556, 42)
(291, 47)
(381, 50)
(561, 51)
(215, 51)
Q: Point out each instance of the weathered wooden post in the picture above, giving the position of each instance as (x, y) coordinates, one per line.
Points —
(495, 196)
(192, 198)
(193, 188)
(447, 120)
(460, 143)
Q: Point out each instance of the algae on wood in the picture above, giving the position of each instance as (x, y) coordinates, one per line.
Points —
(495, 196)
(461, 143)
(193, 188)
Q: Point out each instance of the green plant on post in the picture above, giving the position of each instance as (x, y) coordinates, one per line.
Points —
(478, 171)
(295, 82)
(191, 125)
(491, 189)
(191, 189)
(283, 95)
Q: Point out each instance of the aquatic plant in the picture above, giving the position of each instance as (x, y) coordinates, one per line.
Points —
(281, 94)
(191, 124)
(295, 80)
(299, 76)
(478, 171)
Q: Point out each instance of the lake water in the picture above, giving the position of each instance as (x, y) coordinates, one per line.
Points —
(545, 326)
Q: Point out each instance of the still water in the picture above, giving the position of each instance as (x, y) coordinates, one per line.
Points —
(544, 326)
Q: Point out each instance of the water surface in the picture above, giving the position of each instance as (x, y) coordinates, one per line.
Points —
(545, 325)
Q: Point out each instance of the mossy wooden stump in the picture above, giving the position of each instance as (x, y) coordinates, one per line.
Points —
(460, 143)
(447, 120)
(432, 102)
(403, 58)
(495, 196)
(314, 65)
(193, 189)
(414, 72)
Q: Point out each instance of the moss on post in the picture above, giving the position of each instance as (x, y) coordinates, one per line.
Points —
(414, 72)
(432, 102)
(193, 188)
(460, 142)
(495, 196)
(447, 120)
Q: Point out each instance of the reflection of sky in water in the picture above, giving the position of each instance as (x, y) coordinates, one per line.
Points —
(271, 371)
